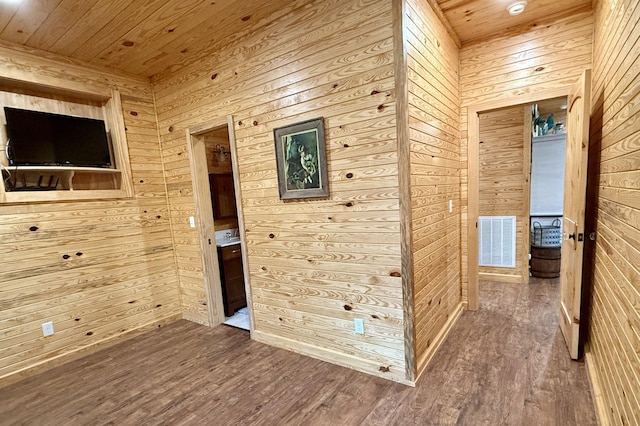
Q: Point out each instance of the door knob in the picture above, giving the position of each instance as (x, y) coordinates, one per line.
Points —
(592, 236)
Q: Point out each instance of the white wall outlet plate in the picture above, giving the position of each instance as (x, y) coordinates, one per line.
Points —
(192, 221)
(358, 325)
(47, 328)
(450, 206)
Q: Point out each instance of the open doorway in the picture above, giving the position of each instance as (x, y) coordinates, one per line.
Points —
(520, 192)
(520, 202)
(574, 199)
(548, 148)
(219, 222)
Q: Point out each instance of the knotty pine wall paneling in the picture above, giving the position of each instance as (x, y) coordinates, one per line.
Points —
(503, 184)
(314, 265)
(529, 59)
(434, 139)
(614, 181)
(120, 277)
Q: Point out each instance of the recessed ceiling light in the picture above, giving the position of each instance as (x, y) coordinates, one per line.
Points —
(516, 8)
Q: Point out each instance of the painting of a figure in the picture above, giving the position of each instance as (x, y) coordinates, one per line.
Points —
(300, 152)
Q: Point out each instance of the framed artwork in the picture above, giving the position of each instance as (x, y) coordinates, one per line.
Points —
(301, 160)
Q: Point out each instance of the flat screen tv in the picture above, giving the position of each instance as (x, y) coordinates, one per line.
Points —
(44, 139)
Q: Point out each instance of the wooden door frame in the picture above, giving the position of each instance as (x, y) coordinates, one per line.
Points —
(473, 173)
(205, 223)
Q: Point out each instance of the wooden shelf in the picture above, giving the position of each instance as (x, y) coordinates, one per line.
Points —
(550, 137)
(71, 183)
(42, 196)
(61, 169)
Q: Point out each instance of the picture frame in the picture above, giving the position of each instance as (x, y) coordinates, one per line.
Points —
(301, 160)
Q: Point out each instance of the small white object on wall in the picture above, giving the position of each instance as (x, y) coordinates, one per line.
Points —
(358, 325)
(47, 328)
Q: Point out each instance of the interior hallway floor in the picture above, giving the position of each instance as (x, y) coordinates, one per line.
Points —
(505, 364)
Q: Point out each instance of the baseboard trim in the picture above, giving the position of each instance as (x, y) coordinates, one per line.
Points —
(596, 389)
(47, 364)
(330, 356)
(424, 359)
(503, 278)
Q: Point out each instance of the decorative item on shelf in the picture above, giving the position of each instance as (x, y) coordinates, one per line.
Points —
(550, 123)
(301, 160)
(6, 175)
(221, 153)
(538, 125)
(28, 183)
(543, 125)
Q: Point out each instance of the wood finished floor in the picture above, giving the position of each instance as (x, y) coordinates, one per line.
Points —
(505, 364)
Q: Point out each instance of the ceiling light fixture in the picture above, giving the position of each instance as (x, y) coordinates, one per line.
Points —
(516, 8)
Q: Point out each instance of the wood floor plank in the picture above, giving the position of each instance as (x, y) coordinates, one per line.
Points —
(505, 363)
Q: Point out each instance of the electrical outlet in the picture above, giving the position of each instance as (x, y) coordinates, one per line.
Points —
(358, 324)
(192, 221)
(47, 328)
(450, 206)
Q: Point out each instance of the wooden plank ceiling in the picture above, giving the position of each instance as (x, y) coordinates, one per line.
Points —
(478, 19)
(141, 37)
(148, 37)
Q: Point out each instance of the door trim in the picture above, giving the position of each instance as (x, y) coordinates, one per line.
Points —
(205, 223)
(473, 173)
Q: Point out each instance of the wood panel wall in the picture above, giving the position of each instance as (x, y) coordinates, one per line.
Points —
(120, 277)
(504, 182)
(434, 138)
(614, 181)
(314, 265)
(524, 60)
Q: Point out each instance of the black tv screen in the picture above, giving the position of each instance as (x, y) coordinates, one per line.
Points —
(40, 138)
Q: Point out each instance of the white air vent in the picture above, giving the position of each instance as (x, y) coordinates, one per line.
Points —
(497, 241)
